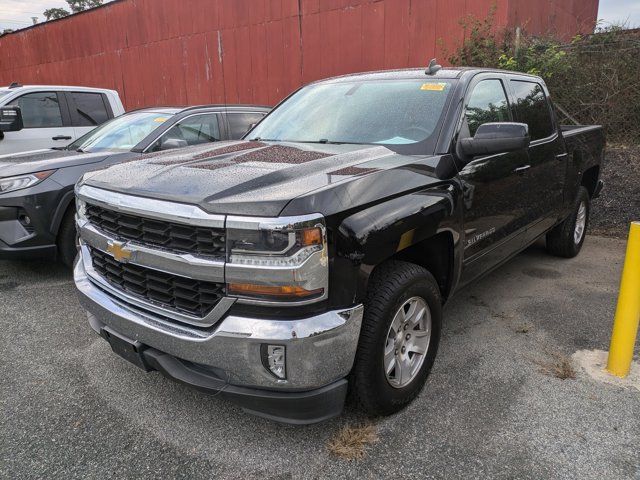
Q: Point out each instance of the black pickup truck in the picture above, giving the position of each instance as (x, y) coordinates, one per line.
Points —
(314, 257)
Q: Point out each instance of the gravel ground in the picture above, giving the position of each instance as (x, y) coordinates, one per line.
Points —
(72, 409)
(619, 203)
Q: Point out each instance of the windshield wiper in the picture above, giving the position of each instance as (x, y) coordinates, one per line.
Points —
(260, 139)
(329, 142)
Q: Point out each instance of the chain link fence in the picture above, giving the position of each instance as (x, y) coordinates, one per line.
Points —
(601, 84)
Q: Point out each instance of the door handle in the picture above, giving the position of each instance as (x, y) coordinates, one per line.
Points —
(61, 137)
(522, 169)
(561, 156)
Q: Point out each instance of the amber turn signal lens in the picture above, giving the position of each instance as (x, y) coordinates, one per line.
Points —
(285, 291)
(311, 236)
(43, 175)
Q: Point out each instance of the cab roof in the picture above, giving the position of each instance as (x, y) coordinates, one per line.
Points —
(415, 73)
(18, 87)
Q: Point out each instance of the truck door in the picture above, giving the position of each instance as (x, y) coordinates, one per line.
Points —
(46, 124)
(493, 209)
(544, 181)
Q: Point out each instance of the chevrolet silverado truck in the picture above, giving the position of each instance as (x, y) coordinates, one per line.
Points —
(312, 259)
(36, 188)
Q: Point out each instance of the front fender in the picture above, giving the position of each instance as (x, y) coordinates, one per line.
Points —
(371, 236)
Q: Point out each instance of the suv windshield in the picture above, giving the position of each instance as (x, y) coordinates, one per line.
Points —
(121, 133)
(403, 115)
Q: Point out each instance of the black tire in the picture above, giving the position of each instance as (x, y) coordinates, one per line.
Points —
(391, 285)
(561, 239)
(67, 239)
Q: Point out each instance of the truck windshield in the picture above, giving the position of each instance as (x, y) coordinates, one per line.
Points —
(121, 133)
(403, 115)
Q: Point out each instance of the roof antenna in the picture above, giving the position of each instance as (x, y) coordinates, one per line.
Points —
(433, 67)
(15, 85)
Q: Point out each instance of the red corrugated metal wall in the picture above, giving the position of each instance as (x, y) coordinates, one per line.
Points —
(170, 52)
(563, 18)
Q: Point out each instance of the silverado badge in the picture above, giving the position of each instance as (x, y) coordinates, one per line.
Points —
(119, 251)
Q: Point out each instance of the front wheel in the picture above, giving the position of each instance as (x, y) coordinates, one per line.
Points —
(68, 239)
(399, 338)
(566, 239)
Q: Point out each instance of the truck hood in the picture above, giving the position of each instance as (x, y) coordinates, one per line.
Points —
(39, 160)
(248, 177)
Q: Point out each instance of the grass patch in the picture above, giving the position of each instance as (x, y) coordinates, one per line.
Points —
(351, 441)
(559, 366)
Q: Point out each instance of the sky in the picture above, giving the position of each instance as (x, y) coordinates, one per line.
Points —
(16, 14)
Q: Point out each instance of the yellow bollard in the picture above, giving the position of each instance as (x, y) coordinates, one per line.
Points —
(625, 324)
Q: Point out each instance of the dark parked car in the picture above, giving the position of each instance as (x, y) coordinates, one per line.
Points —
(36, 189)
(316, 256)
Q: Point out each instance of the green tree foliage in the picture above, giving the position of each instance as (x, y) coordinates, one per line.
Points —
(55, 13)
(482, 46)
(75, 6)
(81, 5)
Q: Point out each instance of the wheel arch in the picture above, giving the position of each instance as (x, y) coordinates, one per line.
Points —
(67, 201)
(436, 254)
(421, 228)
(590, 178)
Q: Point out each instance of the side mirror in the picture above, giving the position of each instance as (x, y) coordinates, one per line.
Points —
(11, 119)
(499, 137)
(171, 143)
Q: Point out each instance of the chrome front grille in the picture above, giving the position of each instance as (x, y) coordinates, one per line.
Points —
(171, 236)
(180, 294)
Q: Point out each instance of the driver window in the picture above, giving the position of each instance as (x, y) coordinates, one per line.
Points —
(194, 130)
(487, 103)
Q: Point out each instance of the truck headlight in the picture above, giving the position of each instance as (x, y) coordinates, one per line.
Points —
(277, 260)
(10, 184)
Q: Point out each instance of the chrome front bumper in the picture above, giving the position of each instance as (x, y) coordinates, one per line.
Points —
(319, 349)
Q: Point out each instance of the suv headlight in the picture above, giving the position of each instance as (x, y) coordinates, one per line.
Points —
(10, 184)
(277, 260)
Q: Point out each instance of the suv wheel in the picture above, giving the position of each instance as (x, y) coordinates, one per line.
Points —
(399, 338)
(68, 239)
(566, 239)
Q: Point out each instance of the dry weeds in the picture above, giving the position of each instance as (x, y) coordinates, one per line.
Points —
(524, 328)
(559, 366)
(351, 441)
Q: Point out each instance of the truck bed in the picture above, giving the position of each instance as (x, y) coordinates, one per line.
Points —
(585, 146)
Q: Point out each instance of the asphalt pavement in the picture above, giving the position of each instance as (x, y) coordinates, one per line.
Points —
(72, 409)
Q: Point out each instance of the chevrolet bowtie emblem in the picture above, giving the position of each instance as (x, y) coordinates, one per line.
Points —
(119, 251)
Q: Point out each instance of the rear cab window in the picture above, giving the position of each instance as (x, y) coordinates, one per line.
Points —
(531, 107)
(88, 109)
(40, 109)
